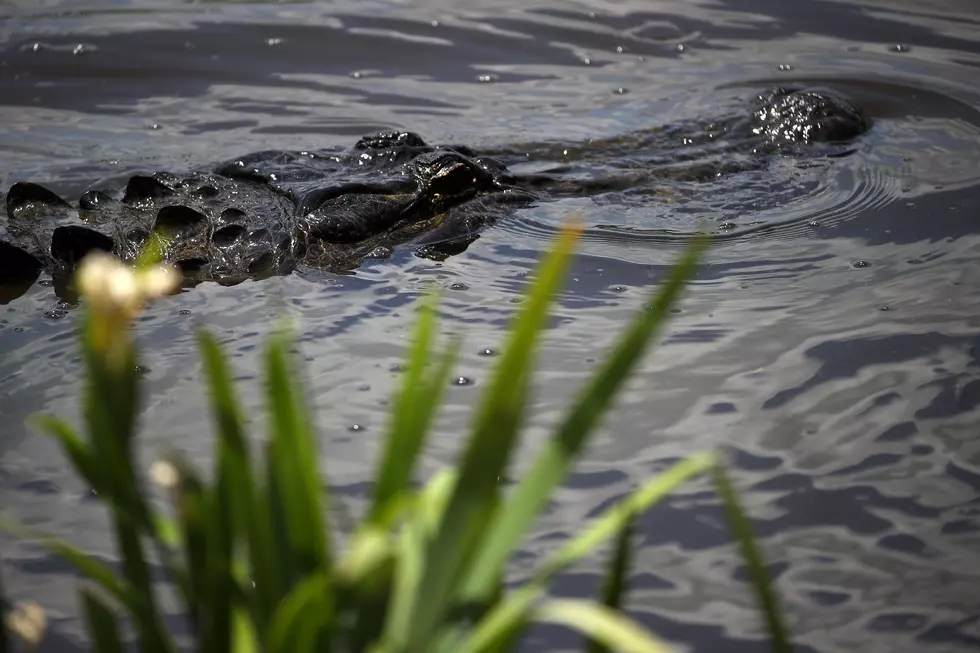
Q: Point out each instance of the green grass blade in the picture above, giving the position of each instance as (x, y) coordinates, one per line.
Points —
(416, 533)
(103, 626)
(408, 573)
(742, 529)
(5, 646)
(557, 456)
(111, 405)
(614, 519)
(153, 251)
(503, 621)
(78, 453)
(240, 506)
(245, 639)
(83, 563)
(190, 498)
(297, 496)
(370, 549)
(476, 493)
(615, 583)
(301, 620)
(412, 413)
(600, 623)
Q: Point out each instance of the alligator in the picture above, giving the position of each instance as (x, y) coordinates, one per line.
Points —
(268, 212)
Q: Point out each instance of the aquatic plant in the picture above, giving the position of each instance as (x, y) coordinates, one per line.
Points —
(252, 555)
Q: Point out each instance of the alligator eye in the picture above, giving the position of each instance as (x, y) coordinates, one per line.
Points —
(451, 179)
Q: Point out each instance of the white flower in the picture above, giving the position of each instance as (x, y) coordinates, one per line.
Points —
(112, 286)
(164, 474)
(116, 293)
(28, 621)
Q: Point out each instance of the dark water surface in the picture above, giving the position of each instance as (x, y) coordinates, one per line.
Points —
(831, 344)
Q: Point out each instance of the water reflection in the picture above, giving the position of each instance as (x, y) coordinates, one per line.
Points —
(852, 428)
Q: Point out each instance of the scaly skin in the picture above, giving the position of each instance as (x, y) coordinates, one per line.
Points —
(268, 212)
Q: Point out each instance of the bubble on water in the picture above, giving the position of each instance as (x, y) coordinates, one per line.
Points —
(355, 427)
(65, 305)
(457, 285)
(620, 49)
(486, 79)
(55, 314)
(785, 67)
(813, 223)
(184, 311)
(618, 288)
(154, 126)
(397, 367)
(587, 61)
(861, 264)
(621, 91)
(273, 42)
(364, 387)
(884, 308)
(901, 47)
(591, 14)
(18, 329)
(463, 380)
(435, 23)
(47, 283)
(727, 226)
(488, 352)
(83, 48)
(681, 47)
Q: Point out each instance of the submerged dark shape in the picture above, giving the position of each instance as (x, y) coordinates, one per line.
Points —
(271, 211)
(787, 116)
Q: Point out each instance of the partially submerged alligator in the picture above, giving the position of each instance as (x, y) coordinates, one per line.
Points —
(270, 211)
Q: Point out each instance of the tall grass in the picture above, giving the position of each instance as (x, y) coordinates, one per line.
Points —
(255, 560)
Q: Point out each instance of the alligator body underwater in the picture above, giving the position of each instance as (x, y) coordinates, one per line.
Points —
(269, 212)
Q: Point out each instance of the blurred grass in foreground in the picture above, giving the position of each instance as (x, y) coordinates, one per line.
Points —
(251, 554)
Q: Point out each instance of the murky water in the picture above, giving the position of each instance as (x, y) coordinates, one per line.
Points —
(835, 353)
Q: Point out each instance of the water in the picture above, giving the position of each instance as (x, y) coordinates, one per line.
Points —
(830, 344)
